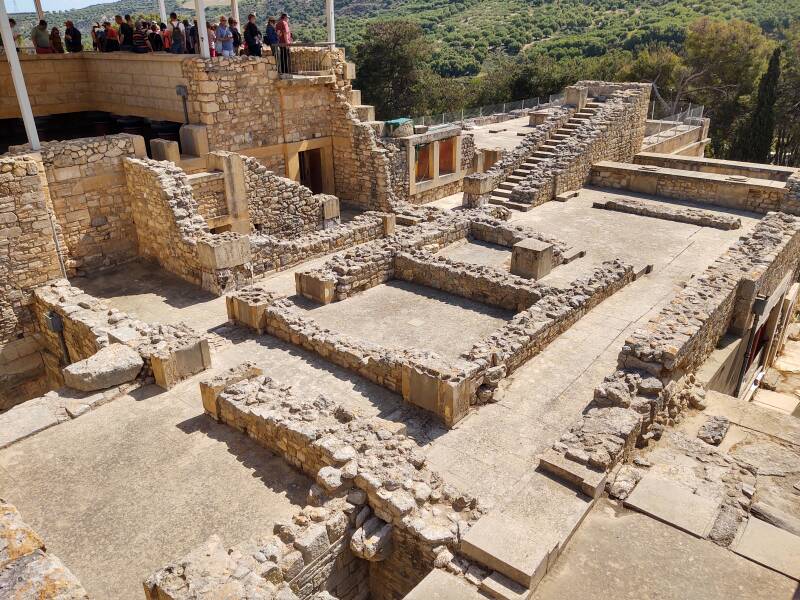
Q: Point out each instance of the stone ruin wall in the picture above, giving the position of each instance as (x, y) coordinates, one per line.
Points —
(376, 508)
(28, 258)
(279, 206)
(209, 192)
(27, 570)
(445, 387)
(90, 200)
(166, 216)
(655, 380)
(614, 132)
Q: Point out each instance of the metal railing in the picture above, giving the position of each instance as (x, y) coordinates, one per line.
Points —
(489, 110)
(674, 124)
(303, 58)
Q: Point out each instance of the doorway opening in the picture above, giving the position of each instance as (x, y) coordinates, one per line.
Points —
(311, 169)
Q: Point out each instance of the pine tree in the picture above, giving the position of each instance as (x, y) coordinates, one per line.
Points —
(754, 139)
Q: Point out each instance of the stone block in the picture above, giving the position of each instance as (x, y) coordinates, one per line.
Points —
(500, 587)
(216, 253)
(538, 117)
(531, 258)
(313, 542)
(349, 71)
(194, 140)
(210, 389)
(18, 538)
(40, 575)
(25, 420)
(110, 366)
(449, 400)
(165, 150)
(576, 95)
(315, 289)
(587, 480)
(179, 364)
(389, 222)
(330, 207)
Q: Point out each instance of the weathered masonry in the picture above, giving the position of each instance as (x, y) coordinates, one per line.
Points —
(301, 354)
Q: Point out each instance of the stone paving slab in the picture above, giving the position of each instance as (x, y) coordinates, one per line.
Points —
(441, 585)
(674, 504)
(521, 538)
(25, 420)
(770, 546)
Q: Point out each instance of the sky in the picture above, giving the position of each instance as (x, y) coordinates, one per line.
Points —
(17, 6)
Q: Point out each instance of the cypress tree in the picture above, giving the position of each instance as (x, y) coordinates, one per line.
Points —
(754, 140)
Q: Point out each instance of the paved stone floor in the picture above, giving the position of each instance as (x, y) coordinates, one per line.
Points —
(139, 482)
(406, 315)
(113, 492)
(479, 253)
(625, 555)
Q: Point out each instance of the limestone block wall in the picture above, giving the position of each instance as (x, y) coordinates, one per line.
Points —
(209, 192)
(714, 165)
(28, 253)
(271, 253)
(27, 570)
(279, 206)
(755, 195)
(166, 216)
(90, 199)
(66, 83)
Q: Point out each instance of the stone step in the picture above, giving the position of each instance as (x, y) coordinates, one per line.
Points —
(522, 538)
(502, 193)
(543, 154)
(500, 587)
(514, 179)
(508, 185)
(498, 201)
(355, 97)
(593, 104)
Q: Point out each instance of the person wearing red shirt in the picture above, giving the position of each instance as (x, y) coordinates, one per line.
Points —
(285, 40)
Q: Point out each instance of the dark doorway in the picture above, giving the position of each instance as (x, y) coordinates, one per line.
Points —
(311, 170)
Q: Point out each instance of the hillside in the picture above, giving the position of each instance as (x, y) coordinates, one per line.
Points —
(463, 32)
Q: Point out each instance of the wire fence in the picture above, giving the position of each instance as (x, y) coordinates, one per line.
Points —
(466, 114)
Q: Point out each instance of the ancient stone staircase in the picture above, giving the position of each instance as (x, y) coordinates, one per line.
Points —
(501, 196)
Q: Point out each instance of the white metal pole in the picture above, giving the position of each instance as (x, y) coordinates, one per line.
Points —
(16, 76)
(235, 13)
(329, 17)
(39, 11)
(202, 32)
(162, 11)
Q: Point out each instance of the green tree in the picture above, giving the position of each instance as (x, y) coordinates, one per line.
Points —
(787, 132)
(753, 142)
(725, 58)
(390, 64)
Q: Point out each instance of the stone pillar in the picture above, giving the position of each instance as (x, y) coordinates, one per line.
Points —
(576, 95)
(194, 140)
(165, 150)
(531, 258)
(232, 166)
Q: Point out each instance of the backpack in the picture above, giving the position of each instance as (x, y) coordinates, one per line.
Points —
(177, 35)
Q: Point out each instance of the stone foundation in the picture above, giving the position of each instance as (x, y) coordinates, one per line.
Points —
(669, 212)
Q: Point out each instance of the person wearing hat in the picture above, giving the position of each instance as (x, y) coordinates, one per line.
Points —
(271, 37)
(72, 37)
(285, 39)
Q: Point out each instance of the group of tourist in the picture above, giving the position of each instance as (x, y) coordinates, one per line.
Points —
(177, 37)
